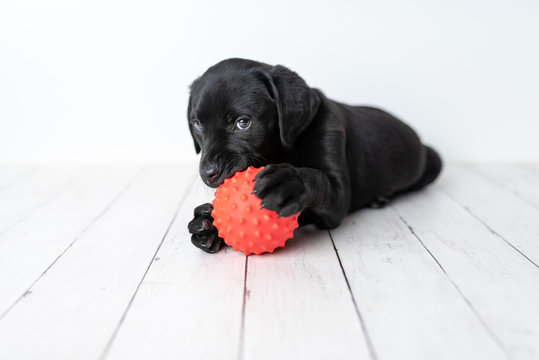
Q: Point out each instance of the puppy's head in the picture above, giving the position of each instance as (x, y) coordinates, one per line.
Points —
(244, 113)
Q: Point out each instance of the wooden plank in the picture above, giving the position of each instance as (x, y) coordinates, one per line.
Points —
(506, 214)
(519, 179)
(189, 304)
(410, 308)
(298, 305)
(30, 193)
(500, 284)
(10, 174)
(75, 307)
(34, 244)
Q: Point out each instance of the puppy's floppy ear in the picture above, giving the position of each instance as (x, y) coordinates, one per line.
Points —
(296, 102)
(197, 146)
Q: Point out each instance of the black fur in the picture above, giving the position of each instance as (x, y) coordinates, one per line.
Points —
(323, 158)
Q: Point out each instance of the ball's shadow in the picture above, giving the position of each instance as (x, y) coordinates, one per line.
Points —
(304, 237)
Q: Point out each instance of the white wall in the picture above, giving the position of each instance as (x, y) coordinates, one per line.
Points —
(107, 81)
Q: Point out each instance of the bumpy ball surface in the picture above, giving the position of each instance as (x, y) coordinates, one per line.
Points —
(241, 221)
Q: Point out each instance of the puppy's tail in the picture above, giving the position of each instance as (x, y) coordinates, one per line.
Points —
(433, 167)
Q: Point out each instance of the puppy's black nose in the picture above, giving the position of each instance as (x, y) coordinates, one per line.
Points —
(211, 172)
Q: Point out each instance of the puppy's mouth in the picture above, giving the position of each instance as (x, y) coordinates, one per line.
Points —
(213, 183)
(219, 179)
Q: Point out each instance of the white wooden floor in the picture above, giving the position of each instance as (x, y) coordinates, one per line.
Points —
(97, 263)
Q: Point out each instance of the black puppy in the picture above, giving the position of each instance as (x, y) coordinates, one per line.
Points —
(323, 158)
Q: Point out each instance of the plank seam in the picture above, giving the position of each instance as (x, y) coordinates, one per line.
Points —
(111, 340)
(472, 308)
(370, 345)
(513, 193)
(39, 206)
(478, 219)
(243, 305)
(93, 222)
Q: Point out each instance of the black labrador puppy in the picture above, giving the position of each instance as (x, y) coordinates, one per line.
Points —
(322, 158)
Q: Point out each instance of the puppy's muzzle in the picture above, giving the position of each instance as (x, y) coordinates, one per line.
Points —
(210, 173)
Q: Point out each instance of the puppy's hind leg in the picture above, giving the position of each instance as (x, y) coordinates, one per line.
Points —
(433, 167)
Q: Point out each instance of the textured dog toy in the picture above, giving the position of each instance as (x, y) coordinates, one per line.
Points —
(241, 221)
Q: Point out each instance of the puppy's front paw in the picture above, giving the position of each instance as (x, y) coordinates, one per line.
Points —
(281, 188)
(204, 233)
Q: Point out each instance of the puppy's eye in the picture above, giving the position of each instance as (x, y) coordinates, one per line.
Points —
(197, 126)
(242, 124)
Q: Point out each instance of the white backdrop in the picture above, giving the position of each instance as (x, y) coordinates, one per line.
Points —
(107, 81)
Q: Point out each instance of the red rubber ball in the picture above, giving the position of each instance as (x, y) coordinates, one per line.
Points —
(241, 221)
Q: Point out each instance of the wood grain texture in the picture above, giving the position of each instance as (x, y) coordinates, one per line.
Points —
(27, 195)
(189, 304)
(518, 179)
(500, 284)
(514, 220)
(448, 272)
(75, 307)
(30, 247)
(410, 308)
(298, 305)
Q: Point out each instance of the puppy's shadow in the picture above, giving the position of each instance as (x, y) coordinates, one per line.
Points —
(310, 236)
(304, 238)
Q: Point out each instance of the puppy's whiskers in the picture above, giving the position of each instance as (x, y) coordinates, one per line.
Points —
(257, 159)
